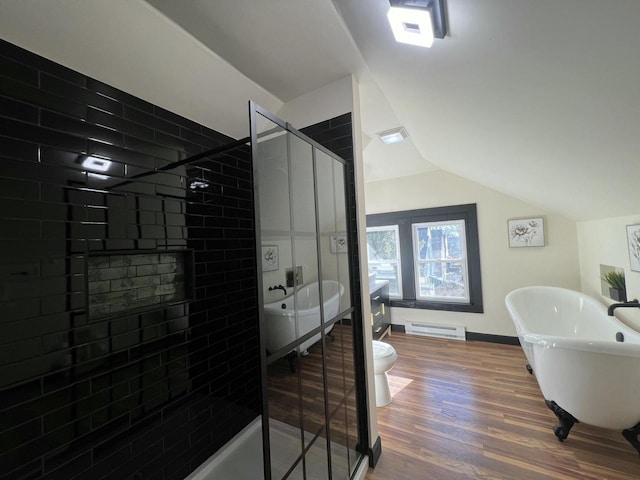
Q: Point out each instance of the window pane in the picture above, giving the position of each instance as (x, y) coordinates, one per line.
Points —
(440, 261)
(389, 272)
(384, 257)
(439, 242)
(444, 280)
(382, 244)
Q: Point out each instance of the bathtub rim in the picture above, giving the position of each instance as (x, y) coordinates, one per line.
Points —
(626, 349)
(275, 308)
(583, 344)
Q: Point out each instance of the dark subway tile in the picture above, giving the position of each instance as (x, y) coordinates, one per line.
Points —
(78, 94)
(19, 310)
(150, 121)
(22, 189)
(11, 148)
(340, 120)
(98, 117)
(20, 350)
(40, 98)
(121, 155)
(30, 471)
(27, 229)
(217, 136)
(175, 192)
(341, 143)
(118, 95)
(18, 110)
(80, 128)
(18, 71)
(32, 367)
(153, 149)
(20, 393)
(236, 173)
(138, 463)
(41, 135)
(13, 331)
(40, 63)
(187, 148)
(60, 466)
(194, 137)
(177, 119)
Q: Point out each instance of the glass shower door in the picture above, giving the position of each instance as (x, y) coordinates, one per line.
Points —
(309, 405)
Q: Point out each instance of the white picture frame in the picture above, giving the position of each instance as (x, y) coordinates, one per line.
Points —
(526, 232)
(633, 242)
(338, 244)
(270, 261)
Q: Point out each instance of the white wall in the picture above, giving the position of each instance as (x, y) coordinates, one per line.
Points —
(322, 104)
(503, 268)
(605, 242)
(131, 46)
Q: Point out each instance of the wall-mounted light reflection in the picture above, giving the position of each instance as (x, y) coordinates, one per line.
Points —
(96, 164)
(198, 184)
(97, 176)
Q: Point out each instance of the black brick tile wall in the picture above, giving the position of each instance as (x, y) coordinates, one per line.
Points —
(144, 394)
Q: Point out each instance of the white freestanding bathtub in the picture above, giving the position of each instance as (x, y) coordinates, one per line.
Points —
(586, 362)
(283, 325)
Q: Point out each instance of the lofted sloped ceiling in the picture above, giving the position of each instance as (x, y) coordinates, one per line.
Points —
(537, 99)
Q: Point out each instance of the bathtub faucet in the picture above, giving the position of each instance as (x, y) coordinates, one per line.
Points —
(613, 306)
(278, 287)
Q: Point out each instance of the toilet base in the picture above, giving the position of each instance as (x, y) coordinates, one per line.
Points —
(383, 393)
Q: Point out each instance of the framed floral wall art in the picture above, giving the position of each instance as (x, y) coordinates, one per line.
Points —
(526, 232)
(269, 258)
(633, 239)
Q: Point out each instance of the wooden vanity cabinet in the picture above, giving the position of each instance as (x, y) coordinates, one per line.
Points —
(380, 312)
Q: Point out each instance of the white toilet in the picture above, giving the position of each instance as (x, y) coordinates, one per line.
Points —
(384, 358)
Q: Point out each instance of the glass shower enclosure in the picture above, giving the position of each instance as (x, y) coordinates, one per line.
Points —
(310, 408)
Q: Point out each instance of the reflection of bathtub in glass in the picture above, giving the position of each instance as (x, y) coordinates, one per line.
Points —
(280, 316)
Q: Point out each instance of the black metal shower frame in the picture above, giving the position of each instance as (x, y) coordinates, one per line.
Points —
(354, 310)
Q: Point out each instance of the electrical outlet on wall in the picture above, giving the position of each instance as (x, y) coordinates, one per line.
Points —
(298, 280)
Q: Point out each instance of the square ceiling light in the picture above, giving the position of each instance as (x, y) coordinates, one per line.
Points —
(411, 25)
(417, 22)
(395, 135)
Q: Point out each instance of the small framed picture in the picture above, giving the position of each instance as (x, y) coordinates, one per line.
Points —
(526, 232)
(269, 258)
(338, 244)
(633, 240)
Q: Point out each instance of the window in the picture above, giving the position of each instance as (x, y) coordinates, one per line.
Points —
(383, 251)
(440, 261)
(430, 257)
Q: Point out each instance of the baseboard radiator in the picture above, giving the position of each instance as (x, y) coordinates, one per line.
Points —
(438, 331)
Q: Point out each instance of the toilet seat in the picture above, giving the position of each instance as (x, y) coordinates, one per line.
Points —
(382, 350)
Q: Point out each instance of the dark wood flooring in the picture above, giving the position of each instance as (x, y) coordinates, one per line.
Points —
(470, 410)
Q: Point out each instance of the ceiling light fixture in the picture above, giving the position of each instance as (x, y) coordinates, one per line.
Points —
(417, 22)
(395, 135)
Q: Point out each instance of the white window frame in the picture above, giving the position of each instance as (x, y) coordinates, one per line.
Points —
(397, 261)
(463, 260)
